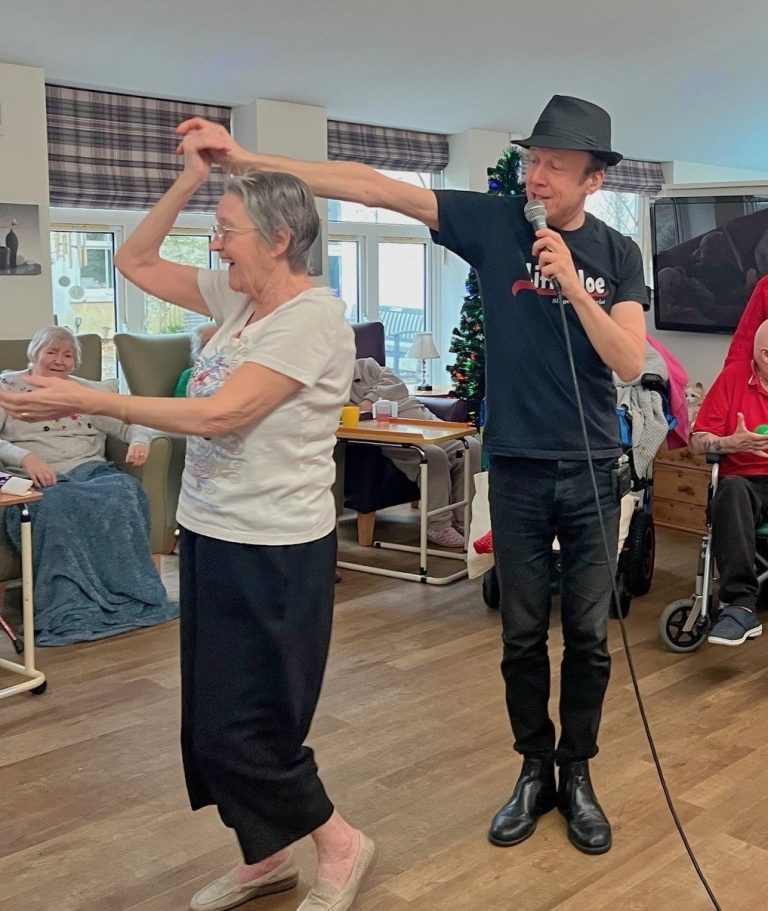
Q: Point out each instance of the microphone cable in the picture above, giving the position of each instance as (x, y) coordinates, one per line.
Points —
(622, 625)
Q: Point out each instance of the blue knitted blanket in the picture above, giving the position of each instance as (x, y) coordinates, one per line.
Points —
(94, 576)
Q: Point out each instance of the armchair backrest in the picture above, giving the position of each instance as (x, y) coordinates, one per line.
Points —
(369, 341)
(13, 355)
(152, 364)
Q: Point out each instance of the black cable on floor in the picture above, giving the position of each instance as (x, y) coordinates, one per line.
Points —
(622, 625)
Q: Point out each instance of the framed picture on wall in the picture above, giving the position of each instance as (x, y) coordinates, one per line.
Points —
(20, 252)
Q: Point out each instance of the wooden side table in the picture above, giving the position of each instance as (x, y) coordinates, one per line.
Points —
(35, 679)
(415, 434)
(680, 486)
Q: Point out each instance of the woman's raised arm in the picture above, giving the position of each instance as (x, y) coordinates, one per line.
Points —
(139, 257)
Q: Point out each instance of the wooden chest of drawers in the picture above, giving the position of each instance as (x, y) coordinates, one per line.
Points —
(680, 482)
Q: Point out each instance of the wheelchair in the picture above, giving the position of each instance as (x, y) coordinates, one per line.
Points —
(684, 624)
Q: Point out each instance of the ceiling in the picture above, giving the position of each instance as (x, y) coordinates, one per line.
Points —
(683, 80)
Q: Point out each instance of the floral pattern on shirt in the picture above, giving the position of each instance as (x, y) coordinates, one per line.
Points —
(209, 459)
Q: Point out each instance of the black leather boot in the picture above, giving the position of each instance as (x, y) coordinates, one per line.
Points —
(588, 827)
(535, 794)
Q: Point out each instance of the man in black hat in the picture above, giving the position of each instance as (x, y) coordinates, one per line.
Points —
(540, 478)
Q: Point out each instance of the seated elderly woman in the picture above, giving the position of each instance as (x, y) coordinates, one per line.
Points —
(94, 575)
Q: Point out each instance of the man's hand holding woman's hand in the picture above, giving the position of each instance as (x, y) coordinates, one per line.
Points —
(205, 143)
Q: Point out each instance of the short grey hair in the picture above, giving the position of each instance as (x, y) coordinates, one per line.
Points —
(274, 200)
(49, 336)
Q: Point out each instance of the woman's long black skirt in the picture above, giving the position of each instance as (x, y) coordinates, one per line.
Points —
(255, 632)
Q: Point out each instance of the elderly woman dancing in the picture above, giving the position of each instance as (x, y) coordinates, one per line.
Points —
(94, 576)
(258, 541)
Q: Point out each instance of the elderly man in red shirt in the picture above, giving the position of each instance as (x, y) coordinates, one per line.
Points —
(733, 408)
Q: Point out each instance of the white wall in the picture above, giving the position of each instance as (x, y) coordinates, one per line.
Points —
(676, 172)
(284, 128)
(702, 354)
(25, 299)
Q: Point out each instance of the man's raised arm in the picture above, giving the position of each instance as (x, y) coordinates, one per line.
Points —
(343, 180)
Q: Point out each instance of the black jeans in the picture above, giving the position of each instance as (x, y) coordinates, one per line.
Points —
(532, 500)
(739, 506)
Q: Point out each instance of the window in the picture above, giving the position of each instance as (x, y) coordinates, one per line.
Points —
(402, 301)
(190, 248)
(619, 210)
(629, 214)
(356, 212)
(344, 274)
(381, 265)
(83, 284)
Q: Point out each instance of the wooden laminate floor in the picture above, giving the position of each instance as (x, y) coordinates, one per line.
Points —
(412, 739)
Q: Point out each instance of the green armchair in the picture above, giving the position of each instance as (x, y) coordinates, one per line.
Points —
(151, 365)
(153, 475)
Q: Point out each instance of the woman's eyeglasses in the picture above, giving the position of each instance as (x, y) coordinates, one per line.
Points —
(220, 232)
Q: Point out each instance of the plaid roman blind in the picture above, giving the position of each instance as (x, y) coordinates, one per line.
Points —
(628, 176)
(113, 151)
(631, 176)
(387, 148)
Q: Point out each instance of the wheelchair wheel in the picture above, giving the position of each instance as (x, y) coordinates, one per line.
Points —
(641, 553)
(491, 589)
(671, 624)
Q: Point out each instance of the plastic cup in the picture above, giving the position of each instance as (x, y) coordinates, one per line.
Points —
(382, 411)
(350, 416)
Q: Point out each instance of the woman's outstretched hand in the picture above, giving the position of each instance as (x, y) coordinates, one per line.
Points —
(54, 398)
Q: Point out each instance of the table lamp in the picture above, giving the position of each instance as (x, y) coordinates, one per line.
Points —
(423, 349)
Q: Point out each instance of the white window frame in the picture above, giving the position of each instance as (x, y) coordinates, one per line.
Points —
(368, 235)
(82, 227)
(129, 298)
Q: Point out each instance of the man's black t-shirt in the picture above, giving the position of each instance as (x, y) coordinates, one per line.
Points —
(531, 408)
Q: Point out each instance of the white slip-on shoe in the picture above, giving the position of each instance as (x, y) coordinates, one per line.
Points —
(228, 892)
(324, 896)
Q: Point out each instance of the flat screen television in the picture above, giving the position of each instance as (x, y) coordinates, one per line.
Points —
(708, 253)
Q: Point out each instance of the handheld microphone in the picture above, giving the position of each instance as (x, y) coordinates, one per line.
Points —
(536, 213)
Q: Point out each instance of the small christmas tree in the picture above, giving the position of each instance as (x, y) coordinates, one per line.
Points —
(468, 339)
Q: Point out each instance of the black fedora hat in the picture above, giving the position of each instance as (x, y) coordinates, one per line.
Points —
(570, 123)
